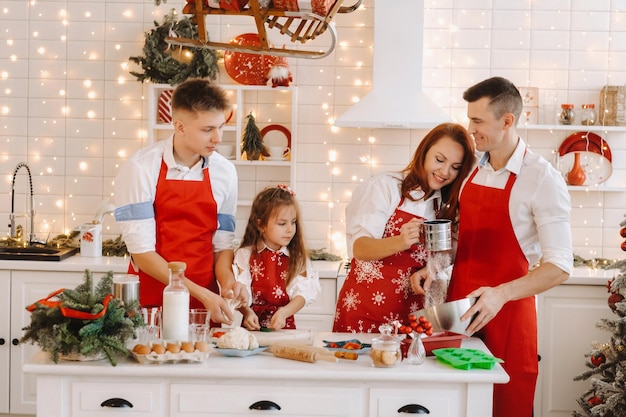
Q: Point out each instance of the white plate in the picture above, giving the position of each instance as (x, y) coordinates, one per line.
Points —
(269, 158)
(241, 353)
(597, 168)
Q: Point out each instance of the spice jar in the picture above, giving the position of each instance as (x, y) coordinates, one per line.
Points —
(567, 115)
(385, 351)
(588, 115)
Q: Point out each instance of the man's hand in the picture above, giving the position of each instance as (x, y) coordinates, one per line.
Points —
(489, 303)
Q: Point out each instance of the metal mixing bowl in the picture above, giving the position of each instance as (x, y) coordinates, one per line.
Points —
(446, 317)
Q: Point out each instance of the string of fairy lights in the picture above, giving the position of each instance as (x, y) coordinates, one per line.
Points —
(71, 98)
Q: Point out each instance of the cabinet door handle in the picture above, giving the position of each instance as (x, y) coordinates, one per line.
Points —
(264, 405)
(15, 342)
(116, 403)
(413, 409)
(2, 341)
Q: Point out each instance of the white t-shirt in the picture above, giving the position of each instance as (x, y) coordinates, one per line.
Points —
(135, 190)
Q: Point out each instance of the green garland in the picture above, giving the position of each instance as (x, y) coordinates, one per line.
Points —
(59, 335)
(159, 66)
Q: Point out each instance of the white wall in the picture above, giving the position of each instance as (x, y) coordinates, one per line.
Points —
(70, 108)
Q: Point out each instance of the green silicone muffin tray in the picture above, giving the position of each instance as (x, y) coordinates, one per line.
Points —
(466, 358)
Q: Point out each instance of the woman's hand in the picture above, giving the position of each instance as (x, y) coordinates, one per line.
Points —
(410, 232)
(420, 281)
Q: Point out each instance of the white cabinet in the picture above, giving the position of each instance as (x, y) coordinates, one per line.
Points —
(275, 111)
(27, 287)
(567, 315)
(5, 340)
(21, 284)
(265, 385)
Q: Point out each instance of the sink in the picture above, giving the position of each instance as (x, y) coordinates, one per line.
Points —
(33, 253)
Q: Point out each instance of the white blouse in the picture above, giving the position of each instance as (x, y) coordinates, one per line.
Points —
(373, 203)
(306, 286)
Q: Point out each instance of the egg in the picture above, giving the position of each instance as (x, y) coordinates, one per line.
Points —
(202, 346)
(187, 347)
(158, 348)
(141, 349)
(173, 347)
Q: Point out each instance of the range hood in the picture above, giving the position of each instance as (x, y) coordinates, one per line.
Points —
(396, 99)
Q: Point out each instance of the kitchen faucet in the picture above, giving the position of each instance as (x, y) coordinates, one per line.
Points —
(31, 214)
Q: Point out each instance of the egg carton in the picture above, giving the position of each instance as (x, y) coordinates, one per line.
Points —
(466, 358)
(169, 357)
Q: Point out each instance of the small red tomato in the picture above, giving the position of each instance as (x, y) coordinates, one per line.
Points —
(419, 329)
(422, 319)
(414, 325)
(412, 318)
(429, 332)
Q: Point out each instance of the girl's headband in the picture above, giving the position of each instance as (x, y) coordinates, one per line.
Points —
(286, 188)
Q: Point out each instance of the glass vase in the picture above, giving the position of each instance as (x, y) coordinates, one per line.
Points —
(416, 354)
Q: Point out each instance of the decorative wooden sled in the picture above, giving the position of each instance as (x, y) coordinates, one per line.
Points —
(298, 26)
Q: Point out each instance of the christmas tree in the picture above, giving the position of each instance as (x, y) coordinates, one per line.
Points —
(607, 361)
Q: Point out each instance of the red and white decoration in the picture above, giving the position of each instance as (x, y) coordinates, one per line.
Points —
(320, 7)
(164, 107)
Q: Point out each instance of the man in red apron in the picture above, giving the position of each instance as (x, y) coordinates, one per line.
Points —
(514, 211)
(176, 201)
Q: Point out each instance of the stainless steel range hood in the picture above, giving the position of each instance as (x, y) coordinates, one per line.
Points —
(396, 99)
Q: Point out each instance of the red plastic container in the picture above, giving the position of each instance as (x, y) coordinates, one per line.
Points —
(438, 340)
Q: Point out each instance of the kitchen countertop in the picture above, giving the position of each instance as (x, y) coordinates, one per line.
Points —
(326, 269)
(268, 367)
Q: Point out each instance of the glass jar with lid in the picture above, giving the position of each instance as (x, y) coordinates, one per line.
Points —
(385, 351)
(567, 115)
(588, 115)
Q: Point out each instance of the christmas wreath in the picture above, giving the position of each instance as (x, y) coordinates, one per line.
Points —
(164, 63)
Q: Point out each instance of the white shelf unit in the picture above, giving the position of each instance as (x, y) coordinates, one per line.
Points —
(273, 108)
(582, 128)
(577, 128)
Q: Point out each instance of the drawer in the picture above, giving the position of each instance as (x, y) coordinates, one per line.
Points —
(441, 400)
(189, 400)
(145, 398)
(325, 302)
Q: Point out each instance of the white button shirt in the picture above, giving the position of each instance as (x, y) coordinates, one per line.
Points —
(373, 203)
(539, 207)
(135, 191)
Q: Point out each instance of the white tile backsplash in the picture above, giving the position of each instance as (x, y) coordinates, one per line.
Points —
(568, 50)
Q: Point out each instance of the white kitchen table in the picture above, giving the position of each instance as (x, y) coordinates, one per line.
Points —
(224, 386)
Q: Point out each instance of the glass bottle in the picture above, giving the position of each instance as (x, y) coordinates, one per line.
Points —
(385, 351)
(175, 314)
(567, 115)
(588, 115)
(416, 354)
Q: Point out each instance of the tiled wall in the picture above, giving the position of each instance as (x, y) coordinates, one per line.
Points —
(70, 108)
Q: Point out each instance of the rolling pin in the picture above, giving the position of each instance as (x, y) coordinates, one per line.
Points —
(298, 353)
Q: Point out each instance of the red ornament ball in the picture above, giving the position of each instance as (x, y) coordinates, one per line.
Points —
(614, 299)
(598, 359)
(622, 231)
(623, 246)
(595, 400)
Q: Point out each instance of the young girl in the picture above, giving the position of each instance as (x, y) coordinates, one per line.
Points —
(273, 264)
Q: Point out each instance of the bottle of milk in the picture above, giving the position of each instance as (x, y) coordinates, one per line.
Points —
(176, 304)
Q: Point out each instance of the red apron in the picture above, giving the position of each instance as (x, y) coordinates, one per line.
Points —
(378, 292)
(186, 219)
(269, 290)
(489, 255)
